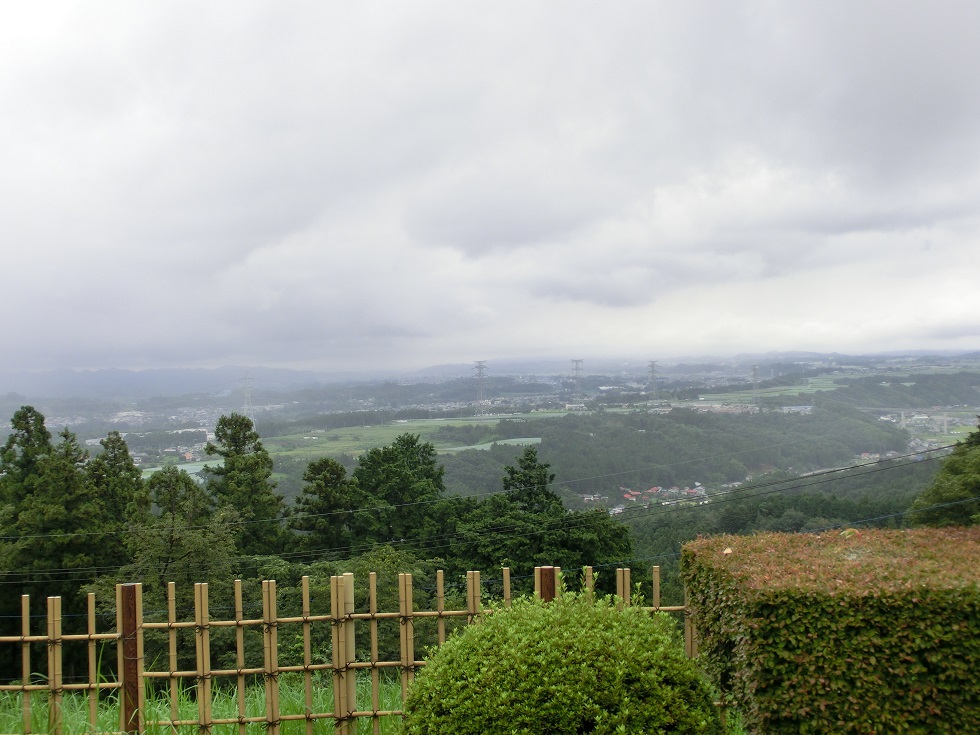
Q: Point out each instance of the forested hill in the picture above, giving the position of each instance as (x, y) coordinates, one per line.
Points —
(601, 452)
(768, 453)
(910, 391)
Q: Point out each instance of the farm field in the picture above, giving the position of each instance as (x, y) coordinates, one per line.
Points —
(315, 443)
(813, 385)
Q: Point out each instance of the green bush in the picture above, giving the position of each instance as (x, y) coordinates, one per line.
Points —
(574, 665)
(874, 631)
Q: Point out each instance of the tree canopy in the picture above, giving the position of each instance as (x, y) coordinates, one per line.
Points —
(243, 482)
(400, 480)
(527, 526)
(953, 499)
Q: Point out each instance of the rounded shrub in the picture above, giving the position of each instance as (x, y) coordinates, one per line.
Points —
(574, 665)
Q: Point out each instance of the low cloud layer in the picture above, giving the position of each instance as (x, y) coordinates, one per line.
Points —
(392, 184)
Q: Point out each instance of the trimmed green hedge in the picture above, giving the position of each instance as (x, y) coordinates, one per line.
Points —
(574, 665)
(853, 632)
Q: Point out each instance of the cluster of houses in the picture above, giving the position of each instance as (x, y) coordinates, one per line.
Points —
(655, 495)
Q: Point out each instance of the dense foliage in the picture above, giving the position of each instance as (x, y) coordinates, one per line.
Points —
(910, 391)
(531, 668)
(877, 496)
(601, 452)
(953, 498)
(72, 523)
(527, 526)
(874, 631)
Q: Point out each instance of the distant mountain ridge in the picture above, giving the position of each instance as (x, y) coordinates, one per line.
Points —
(117, 383)
(153, 382)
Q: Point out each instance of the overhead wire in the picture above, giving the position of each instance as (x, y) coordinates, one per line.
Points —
(428, 545)
(371, 509)
(569, 520)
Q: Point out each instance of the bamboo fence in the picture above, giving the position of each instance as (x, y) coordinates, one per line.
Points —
(135, 676)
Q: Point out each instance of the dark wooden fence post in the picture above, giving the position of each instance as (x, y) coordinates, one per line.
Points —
(131, 668)
(547, 583)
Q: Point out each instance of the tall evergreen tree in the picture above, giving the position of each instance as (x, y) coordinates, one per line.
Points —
(120, 488)
(243, 481)
(28, 442)
(527, 526)
(60, 523)
(402, 479)
(529, 484)
(185, 542)
(331, 513)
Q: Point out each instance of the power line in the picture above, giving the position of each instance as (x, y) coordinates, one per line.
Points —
(478, 496)
(569, 520)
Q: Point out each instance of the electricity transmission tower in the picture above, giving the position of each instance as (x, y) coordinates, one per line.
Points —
(576, 381)
(247, 409)
(481, 386)
(652, 365)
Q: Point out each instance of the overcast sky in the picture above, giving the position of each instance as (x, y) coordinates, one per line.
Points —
(399, 184)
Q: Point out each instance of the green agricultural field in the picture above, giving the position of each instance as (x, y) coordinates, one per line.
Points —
(314, 443)
(518, 442)
(814, 385)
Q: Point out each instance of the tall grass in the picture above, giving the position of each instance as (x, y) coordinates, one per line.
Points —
(292, 700)
(224, 704)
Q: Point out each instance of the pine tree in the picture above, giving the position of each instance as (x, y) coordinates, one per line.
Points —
(28, 442)
(120, 488)
(243, 482)
(325, 511)
(529, 484)
(402, 479)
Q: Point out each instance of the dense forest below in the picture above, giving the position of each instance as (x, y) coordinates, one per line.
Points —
(599, 452)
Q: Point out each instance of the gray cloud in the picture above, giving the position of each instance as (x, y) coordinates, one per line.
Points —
(338, 186)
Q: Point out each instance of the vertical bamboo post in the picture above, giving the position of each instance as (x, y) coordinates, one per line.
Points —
(623, 583)
(350, 652)
(337, 645)
(375, 672)
(54, 666)
(25, 657)
(656, 588)
(506, 586)
(407, 631)
(440, 607)
(307, 656)
(202, 624)
(93, 673)
(130, 596)
(240, 655)
(172, 681)
(270, 638)
(474, 604)
(589, 580)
